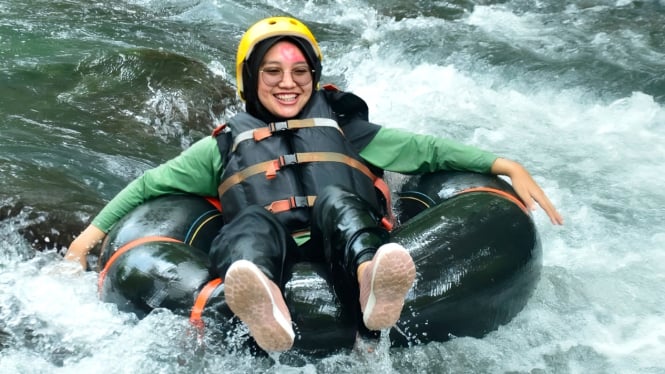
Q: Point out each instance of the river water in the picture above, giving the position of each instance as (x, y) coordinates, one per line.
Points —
(93, 93)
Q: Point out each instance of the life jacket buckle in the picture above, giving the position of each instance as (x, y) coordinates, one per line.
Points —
(292, 202)
(299, 202)
(286, 160)
(279, 126)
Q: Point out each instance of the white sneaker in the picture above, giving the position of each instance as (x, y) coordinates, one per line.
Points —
(384, 284)
(259, 303)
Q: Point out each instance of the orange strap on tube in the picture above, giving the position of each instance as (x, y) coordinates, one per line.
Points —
(132, 244)
(201, 300)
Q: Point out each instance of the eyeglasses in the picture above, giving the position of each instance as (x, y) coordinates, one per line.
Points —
(271, 76)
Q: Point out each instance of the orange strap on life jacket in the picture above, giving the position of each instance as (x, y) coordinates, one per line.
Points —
(271, 167)
(294, 124)
(272, 128)
(330, 87)
(214, 201)
(219, 129)
(389, 221)
(291, 203)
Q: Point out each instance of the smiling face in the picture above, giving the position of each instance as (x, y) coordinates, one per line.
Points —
(286, 98)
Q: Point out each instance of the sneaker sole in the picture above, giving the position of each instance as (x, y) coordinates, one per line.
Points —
(392, 277)
(249, 296)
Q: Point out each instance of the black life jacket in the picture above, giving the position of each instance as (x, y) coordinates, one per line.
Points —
(282, 166)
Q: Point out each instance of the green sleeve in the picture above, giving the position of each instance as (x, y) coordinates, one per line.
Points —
(196, 170)
(409, 153)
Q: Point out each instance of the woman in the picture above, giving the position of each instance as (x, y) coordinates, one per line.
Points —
(298, 178)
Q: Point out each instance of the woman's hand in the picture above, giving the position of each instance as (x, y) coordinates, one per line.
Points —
(85, 242)
(526, 188)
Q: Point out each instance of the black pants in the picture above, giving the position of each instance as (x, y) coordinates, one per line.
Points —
(345, 231)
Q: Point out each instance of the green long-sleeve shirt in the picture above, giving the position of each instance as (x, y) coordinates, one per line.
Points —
(197, 170)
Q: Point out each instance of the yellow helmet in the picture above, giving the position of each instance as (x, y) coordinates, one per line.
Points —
(271, 27)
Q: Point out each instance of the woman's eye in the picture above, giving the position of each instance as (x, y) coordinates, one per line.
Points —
(272, 71)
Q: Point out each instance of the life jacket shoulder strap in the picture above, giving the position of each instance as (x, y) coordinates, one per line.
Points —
(222, 134)
(273, 128)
